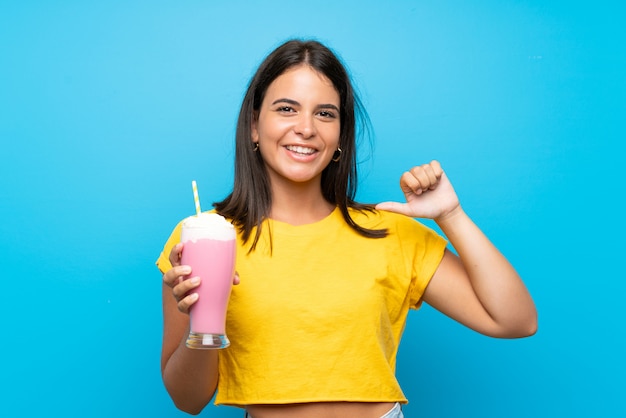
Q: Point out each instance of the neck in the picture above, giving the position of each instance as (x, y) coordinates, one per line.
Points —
(299, 204)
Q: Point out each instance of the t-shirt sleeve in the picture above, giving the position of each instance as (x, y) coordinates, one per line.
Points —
(163, 262)
(429, 248)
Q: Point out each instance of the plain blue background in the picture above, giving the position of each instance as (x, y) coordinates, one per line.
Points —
(108, 110)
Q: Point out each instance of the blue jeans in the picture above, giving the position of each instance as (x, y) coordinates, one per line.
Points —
(395, 412)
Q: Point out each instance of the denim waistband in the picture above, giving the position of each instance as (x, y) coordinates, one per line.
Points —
(395, 412)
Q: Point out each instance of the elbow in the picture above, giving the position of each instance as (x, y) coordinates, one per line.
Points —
(186, 405)
(189, 394)
(522, 325)
(528, 331)
(531, 325)
(531, 328)
(521, 329)
(189, 409)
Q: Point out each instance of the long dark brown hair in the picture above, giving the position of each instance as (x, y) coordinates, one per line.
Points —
(250, 202)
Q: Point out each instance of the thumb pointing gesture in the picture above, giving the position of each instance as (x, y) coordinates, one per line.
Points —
(427, 191)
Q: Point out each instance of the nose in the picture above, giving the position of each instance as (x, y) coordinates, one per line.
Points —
(305, 126)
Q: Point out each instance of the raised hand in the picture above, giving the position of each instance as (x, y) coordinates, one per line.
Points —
(428, 193)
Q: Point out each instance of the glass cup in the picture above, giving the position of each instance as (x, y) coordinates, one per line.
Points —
(209, 247)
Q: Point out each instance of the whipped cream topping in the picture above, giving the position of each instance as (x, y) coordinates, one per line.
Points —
(207, 226)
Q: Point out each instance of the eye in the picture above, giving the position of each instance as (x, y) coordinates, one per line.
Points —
(327, 114)
(285, 109)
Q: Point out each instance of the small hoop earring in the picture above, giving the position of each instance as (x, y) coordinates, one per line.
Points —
(256, 147)
(337, 157)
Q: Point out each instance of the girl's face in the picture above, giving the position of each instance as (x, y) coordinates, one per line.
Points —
(297, 126)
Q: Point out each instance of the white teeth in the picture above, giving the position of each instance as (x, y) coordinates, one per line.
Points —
(300, 150)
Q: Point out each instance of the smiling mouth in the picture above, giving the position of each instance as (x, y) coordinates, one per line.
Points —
(301, 150)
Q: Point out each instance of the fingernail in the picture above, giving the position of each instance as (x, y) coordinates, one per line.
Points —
(195, 280)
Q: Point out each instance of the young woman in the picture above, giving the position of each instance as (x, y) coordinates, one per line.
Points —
(325, 283)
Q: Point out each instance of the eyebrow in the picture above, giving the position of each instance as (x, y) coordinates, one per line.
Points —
(293, 102)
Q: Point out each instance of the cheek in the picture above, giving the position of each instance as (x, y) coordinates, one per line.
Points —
(272, 131)
(331, 133)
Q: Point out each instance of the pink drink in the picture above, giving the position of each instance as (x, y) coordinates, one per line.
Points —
(209, 248)
(213, 262)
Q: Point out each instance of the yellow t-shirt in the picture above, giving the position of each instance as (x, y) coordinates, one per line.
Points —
(319, 316)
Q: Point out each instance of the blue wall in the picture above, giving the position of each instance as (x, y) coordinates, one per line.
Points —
(522, 101)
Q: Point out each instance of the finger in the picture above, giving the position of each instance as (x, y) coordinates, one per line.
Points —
(175, 254)
(175, 275)
(425, 176)
(185, 303)
(185, 288)
(430, 172)
(401, 208)
(409, 183)
(437, 169)
(436, 166)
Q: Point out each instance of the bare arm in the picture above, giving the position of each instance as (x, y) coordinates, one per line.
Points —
(190, 376)
(479, 288)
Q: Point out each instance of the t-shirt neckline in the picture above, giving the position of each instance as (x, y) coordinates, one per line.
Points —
(284, 227)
